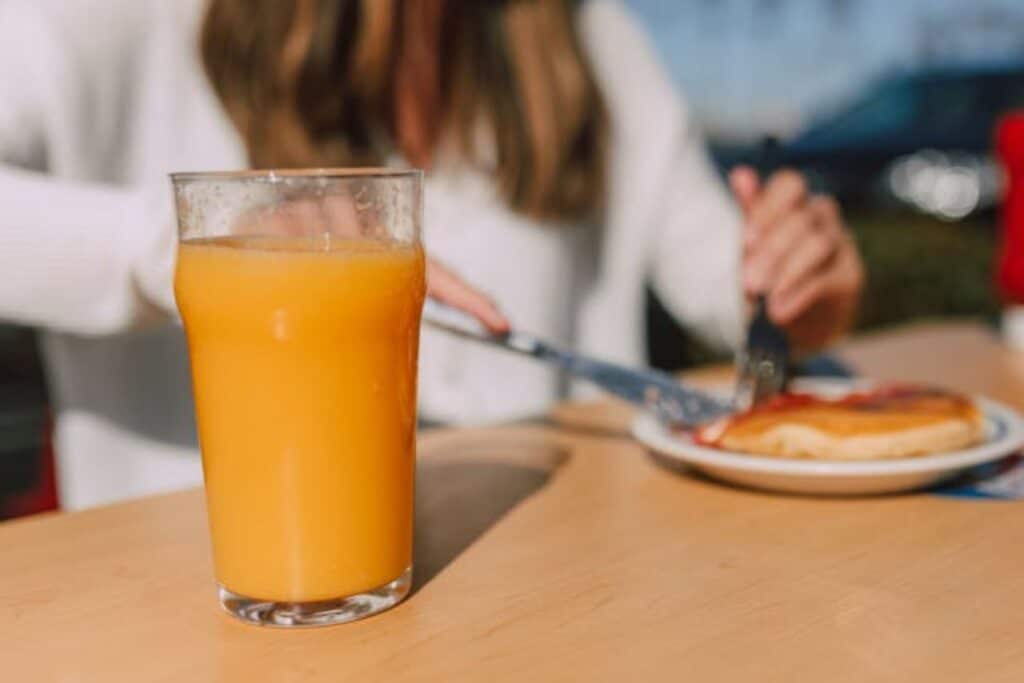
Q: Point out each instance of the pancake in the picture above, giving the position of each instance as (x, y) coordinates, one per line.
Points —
(889, 422)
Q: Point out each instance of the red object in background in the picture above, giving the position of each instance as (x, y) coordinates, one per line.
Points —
(43, 497)
(1010, 148)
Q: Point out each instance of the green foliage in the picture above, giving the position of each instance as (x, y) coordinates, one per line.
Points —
(918, 267)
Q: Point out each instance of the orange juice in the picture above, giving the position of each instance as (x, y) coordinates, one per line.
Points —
(304, 369)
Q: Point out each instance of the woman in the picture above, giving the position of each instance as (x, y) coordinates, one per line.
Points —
(91, 123)
(563, 173)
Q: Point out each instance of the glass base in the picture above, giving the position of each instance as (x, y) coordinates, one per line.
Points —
(320, 612)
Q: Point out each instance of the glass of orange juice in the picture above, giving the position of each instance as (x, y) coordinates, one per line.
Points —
(301, 294)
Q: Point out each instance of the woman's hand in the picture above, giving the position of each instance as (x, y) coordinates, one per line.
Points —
(797, 252)
(448, 288)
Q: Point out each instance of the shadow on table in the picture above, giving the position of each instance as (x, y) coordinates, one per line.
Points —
(458, 501)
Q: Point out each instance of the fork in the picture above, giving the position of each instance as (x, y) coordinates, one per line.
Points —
(763, 365)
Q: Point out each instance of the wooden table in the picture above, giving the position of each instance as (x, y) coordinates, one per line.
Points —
(559, 550)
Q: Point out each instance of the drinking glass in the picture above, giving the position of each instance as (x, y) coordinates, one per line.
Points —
(301, 294)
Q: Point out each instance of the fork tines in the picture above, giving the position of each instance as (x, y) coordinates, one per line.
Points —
(764, 363)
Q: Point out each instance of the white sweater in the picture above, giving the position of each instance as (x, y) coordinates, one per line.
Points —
(100, 99)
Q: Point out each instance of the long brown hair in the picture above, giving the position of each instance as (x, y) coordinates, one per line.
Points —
(347, 82)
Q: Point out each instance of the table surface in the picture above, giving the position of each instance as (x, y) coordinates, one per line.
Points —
(558, 550)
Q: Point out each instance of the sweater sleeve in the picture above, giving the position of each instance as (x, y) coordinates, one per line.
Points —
(695, 253)
(661, 173)
(75, 256)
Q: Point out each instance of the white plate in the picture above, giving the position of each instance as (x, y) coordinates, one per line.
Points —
(1004, 434)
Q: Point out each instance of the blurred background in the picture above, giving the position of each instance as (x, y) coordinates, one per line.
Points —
(891, 106)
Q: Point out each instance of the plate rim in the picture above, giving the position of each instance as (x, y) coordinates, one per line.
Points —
(646, 429)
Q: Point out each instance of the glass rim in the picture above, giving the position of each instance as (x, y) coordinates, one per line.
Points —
(274, 175)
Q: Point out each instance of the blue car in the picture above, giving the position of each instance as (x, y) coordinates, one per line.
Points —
(922, 139)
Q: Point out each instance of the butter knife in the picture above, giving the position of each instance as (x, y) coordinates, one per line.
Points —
(673, 402)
